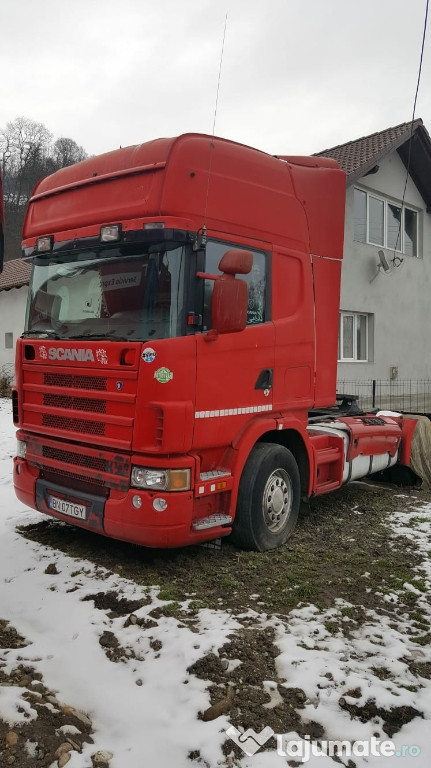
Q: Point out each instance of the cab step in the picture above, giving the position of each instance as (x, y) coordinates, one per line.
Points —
(213, 521)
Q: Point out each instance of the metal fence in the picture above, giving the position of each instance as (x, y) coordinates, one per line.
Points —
(408, 396)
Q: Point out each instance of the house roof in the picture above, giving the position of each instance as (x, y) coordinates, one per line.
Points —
(412, 142)
(16, 273)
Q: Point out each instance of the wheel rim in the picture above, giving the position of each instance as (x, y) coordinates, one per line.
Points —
(277, 500)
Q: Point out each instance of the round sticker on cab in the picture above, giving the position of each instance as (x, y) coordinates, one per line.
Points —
(149, 355)
(163, 375)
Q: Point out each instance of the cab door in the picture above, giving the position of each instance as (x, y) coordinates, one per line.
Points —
(234, 370)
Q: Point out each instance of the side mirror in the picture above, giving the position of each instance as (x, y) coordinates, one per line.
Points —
(230, 295)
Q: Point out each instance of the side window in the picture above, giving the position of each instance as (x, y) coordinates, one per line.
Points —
(256, 282)
(8, 340)
(354, 337)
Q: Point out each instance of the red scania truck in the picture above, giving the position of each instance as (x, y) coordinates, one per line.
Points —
(176, 379)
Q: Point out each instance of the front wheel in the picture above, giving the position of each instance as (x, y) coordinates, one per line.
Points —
(268, 499)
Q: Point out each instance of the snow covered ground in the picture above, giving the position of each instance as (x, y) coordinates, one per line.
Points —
(145, 709)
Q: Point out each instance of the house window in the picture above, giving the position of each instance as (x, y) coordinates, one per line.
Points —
(8, 340)
(382, 222)
(376, 221)
(353, 337)
(410, 232)
(360, 208)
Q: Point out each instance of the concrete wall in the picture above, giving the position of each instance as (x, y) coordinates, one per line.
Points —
(12, 314)
(400, 303)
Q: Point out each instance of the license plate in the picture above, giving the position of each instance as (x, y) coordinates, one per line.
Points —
(68, 508)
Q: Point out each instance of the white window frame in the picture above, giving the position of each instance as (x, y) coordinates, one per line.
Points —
(386, 202)
(8, 340)
(356, 316)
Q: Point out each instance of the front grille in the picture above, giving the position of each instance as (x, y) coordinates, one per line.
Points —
(76, 425)
(74, 403)
(77, 459)
(92, 406)
(81, 467)
(76, 381)
(77, 482)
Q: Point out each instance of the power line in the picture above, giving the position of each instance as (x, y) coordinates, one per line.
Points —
(412, 121)
(421, 58)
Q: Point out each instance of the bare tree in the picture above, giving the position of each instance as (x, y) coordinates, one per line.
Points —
(67, 152)
(27, 153)
(25, 147)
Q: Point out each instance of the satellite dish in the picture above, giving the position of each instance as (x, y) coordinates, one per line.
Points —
(384, 265)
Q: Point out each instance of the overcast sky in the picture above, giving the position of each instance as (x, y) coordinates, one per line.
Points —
(297, 76)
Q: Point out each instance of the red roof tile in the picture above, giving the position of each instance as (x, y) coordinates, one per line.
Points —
(16, 273)
(354, 155)
(411, 140)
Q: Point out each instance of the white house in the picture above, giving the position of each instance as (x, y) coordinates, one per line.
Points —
(13, 296)
(385, 319)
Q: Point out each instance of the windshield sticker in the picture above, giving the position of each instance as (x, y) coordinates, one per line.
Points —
(149, 355)
(163, 375)
(115, 281)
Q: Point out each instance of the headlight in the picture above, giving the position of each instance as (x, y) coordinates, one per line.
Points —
(21, 449)
(160, 479)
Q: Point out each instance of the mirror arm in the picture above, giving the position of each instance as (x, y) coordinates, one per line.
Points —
(206, 276)
(211, 335)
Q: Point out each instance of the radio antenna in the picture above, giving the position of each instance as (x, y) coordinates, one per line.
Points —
(219, 74)
(204, 228)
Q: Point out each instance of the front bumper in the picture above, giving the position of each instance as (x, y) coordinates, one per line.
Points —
(116, 516)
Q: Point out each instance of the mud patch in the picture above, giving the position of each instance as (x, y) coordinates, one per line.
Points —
(114, 605)
(9, 637)
(393, 719)
(244, 684)
(45, 725)
(113, 650)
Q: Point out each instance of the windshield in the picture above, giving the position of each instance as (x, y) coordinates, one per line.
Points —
(129, 294)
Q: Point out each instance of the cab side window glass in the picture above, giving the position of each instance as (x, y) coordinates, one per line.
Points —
(256, 282)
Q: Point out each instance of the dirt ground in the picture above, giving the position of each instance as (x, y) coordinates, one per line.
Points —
(338, 538)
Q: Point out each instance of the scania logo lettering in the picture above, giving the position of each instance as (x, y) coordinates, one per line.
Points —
(80, 355)
(58, 353)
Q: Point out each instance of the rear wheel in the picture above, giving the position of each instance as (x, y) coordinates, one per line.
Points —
(268, 498)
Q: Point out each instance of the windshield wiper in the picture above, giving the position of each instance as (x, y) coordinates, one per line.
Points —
(47, 333)
(98, 336)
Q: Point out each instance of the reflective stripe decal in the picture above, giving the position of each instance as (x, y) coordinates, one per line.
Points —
(232, 411)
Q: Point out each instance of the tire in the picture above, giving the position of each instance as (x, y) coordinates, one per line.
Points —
(268, 499)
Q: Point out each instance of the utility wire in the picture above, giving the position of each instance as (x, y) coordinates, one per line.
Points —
(421, 59)
(411, 127)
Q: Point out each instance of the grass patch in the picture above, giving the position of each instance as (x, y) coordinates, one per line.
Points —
(167, 593)
(333, 627)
